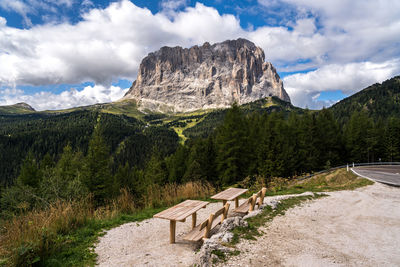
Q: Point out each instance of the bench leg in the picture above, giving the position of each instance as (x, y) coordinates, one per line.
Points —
(236, 202)
(194, 216)
(172, 227)
(223, 202)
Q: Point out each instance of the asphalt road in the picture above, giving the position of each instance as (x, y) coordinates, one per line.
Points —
(384, 174)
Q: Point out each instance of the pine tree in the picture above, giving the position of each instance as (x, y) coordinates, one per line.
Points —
(30, 174)
(392, 139)
(156, 170)
(231, 142)
(96, 173)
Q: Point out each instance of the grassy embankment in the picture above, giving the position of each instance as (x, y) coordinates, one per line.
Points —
(64, 233)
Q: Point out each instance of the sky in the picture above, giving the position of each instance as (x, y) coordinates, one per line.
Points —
(57, 54)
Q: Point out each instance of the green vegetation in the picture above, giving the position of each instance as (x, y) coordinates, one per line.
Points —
(63, 233)
(378, 102)
(332, 181)
(65, 175)
(20, 108)
(221, 256)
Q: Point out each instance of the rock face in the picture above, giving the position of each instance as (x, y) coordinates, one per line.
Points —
(210, 76)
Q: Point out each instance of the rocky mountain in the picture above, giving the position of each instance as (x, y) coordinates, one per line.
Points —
(176, 79)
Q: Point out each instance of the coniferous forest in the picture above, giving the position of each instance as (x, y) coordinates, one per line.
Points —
(70, 155)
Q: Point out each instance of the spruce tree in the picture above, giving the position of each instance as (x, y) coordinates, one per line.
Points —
(96, 173)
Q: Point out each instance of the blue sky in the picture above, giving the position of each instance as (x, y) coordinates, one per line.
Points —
(63, 53)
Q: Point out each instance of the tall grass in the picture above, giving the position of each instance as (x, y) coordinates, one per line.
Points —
(28, 238)
(158, 196)
(36, 235)
(332, 181)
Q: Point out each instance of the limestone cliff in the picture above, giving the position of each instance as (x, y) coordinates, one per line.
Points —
(179, 79)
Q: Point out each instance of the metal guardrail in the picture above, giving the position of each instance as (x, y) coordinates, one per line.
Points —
(350, 166)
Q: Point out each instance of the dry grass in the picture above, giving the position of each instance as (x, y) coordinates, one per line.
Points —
(335, 180)
(29, 238)
(172, 193)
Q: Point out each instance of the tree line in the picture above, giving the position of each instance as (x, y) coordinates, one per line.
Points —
(265, 145)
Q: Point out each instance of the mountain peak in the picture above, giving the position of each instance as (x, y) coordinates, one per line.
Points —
(177, 79)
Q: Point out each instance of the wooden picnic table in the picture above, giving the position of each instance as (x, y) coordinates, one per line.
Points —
(179, 213)
(229, 195)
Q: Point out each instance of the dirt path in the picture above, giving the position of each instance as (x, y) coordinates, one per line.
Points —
(349, 228)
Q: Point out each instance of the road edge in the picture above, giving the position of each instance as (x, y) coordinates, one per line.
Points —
(374, 180)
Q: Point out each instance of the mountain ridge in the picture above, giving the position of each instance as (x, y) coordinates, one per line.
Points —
(176, 79)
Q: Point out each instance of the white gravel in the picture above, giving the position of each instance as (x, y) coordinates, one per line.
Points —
(349, 228)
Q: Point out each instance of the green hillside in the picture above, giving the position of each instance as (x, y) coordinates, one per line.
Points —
(20, 108)
(378, 101)
(130, 132)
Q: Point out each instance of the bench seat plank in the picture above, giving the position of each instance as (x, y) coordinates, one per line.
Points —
(244, 208)
(196, 234)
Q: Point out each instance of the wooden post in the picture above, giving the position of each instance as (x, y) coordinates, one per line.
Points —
(172, 226)
(261, 200)
(236, 202)
(253, 202)
(225, 213)
(194, 216)
(208, 227)
(223, 202)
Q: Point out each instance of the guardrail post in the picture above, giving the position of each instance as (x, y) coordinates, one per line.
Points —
(353, 164)
(347, 167)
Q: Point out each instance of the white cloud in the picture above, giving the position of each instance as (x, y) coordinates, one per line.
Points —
(169, 7)
(19, 7)
(108, 44)
(67, 99)
(304, 89)
(3, 22)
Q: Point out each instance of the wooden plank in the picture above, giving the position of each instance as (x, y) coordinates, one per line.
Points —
(203, 229)
(219, 212)
(244, 208)
(182, 210)
(229, 194)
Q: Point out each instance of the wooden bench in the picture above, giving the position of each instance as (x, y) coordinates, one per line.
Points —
(250, 203)
(203, 229)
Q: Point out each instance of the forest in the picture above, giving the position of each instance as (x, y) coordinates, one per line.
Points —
(267, 145)
(60, 173)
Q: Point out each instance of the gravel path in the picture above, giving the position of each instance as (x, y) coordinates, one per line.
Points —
(349, 228)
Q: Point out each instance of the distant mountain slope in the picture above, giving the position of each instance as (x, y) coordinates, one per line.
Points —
(378, 100)
(20, 108)
(129, 139)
